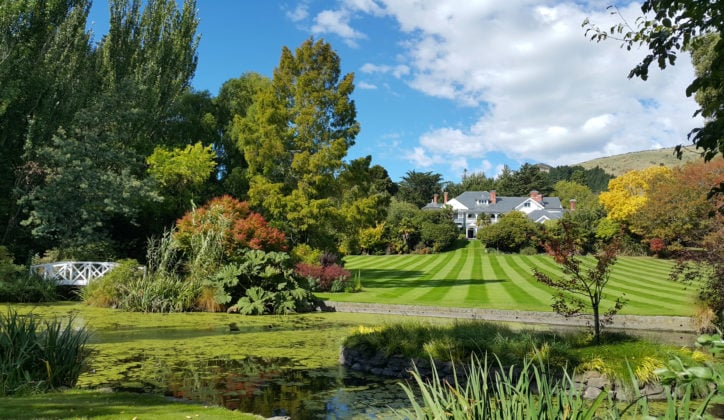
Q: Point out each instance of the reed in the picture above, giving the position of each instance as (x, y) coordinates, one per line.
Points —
(36, 356)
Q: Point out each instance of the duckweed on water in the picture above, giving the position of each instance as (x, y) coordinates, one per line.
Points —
(131, 347)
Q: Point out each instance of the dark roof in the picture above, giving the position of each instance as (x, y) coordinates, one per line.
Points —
(479, 202)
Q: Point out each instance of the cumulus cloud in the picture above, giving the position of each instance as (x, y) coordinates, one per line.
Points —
(548, 93)
(366, 86)
(398, 70)
(298, 14)
(337, 22)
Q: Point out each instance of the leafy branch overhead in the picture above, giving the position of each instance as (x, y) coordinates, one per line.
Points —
(668, 28)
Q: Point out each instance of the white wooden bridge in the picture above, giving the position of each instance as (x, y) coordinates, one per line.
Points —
(72, 273)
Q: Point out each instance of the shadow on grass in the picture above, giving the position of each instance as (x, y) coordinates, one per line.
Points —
(380, 279)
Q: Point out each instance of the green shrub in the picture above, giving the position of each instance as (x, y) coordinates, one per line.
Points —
(17, 285)
(127, 287)
(528, 250)
(39, 356)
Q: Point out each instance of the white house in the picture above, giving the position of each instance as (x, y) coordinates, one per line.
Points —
(471, 206)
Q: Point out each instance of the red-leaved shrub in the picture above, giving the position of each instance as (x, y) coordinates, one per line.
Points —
(324, 276)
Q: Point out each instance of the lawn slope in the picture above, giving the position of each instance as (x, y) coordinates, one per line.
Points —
(470, 277)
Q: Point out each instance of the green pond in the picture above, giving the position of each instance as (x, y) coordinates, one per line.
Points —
(271, 365)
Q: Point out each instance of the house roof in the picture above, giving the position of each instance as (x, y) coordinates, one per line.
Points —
(479, 202)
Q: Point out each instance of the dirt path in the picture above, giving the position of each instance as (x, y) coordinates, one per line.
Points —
(676, 324)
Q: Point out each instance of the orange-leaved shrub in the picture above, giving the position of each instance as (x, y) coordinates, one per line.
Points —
(238, 226)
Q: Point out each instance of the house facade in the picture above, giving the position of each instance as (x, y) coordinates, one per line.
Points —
(474, 209)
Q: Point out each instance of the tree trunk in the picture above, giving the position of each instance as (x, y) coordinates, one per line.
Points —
(596, 325)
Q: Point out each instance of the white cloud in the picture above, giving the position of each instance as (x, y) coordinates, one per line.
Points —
(298, 14)
(397, 70)
(337, 22)
(420, 157)
(366, 86)
(547, 93)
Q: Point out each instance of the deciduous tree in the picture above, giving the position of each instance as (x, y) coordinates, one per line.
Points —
(579, 278)
(678, 209)
(666, 29)
(512, 232)
(629, 192)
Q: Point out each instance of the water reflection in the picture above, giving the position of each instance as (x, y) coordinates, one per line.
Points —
(272, 387)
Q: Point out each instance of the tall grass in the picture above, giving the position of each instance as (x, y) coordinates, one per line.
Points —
(37, 356)
(158, 288)
(493, 392)
(498, 393)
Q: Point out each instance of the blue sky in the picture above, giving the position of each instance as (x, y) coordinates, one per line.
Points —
(454, 85)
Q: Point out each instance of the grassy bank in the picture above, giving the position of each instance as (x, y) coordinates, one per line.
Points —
(469, 277)
(456, 341)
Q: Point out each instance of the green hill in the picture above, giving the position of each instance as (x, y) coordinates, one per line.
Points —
(620, 164)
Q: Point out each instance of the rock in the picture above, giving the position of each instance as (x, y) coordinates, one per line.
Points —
(592, 393)
(600, 383)
(654, 391)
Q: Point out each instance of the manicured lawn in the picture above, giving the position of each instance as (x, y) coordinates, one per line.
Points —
(469, 277)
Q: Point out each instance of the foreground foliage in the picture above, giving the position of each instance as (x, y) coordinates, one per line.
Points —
(490, 391)
(39, 355)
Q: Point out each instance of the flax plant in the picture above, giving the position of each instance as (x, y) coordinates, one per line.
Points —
(39, 356)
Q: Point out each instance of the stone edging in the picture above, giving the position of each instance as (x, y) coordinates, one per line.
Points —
(623, 322)
(590, 383)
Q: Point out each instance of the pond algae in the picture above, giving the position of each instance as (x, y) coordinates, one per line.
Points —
(240, 362)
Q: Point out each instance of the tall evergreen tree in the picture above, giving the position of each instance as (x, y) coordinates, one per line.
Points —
(419, 188)
(295, 137)
(46, 73)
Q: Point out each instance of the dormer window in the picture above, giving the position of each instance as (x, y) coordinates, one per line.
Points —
(526, 204)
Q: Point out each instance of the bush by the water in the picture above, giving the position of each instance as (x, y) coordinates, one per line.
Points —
(37, 356)
(17, 285)
(127, 287)
(575, 351)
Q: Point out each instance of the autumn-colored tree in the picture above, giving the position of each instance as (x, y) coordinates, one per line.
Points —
(677, 208)
(579, 278)
(238, 226)
(629, 192)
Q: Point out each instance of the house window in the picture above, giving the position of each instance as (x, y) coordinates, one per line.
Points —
(526, 204)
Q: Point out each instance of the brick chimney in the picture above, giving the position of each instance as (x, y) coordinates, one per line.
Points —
(535, 195)
(434, 199)
(572, 204)
(493, 197)
(444, 197)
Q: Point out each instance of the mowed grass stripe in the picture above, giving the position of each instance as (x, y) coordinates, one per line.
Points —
(476, 291)
(411, 292)
(651, 298)
(446, 278)
(525, 265)
(642, 287)
(505, 290)
(519, 277)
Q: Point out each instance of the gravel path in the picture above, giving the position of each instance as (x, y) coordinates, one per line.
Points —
(675, 324)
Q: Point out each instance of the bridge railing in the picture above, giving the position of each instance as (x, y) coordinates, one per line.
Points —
(72, 273)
